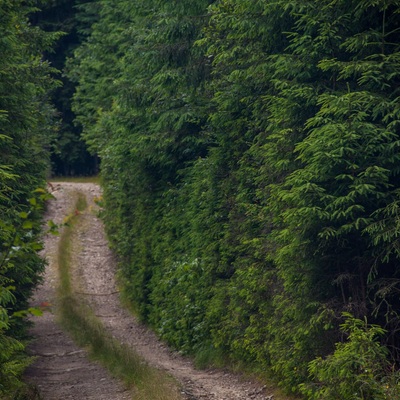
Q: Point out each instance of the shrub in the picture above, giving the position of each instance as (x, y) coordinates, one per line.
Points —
(357, 370)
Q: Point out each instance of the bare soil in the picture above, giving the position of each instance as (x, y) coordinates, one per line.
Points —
(64, 371)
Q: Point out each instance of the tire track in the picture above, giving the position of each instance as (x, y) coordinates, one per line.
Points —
(63, 371)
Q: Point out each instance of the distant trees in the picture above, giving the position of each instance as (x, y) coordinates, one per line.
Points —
(250, 167)
(69, 154)
(26, 128)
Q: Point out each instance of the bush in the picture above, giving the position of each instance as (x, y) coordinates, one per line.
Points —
(357, 370)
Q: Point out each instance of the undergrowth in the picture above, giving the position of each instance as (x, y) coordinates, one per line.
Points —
(88, 331)
(76, 179)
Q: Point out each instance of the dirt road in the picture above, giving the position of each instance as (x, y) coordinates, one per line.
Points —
(63, 371)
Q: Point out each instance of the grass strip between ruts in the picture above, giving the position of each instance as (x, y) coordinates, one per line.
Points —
(88, 331)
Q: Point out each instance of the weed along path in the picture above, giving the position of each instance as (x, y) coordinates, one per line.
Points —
(79, 293)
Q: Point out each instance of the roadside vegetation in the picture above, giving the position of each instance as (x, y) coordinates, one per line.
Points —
(26, 128)
(76, 179)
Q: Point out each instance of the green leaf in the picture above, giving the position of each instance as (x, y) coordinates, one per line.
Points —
(23, 215)
(35, 311)
(27, 225)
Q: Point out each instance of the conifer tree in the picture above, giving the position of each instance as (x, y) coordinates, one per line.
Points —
(250, 169)
(26, 127)
(143, 114)
(348, 162)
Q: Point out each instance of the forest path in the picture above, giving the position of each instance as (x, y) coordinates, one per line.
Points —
(62, 371)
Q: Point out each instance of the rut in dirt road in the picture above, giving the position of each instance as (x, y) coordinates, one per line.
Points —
(62, 370)
(94, 281)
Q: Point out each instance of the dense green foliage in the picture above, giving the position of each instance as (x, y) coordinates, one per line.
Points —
(358, 369)
(250, 163)
(25, 129)
(69, 155)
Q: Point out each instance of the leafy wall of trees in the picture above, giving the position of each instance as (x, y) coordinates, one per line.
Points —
(26, 126)
(250, 164)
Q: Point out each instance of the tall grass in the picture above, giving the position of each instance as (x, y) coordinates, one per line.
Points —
(76, 179)
(87, 330)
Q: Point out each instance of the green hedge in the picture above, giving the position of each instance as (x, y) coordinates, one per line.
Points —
(26, 128)
(250, 169)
